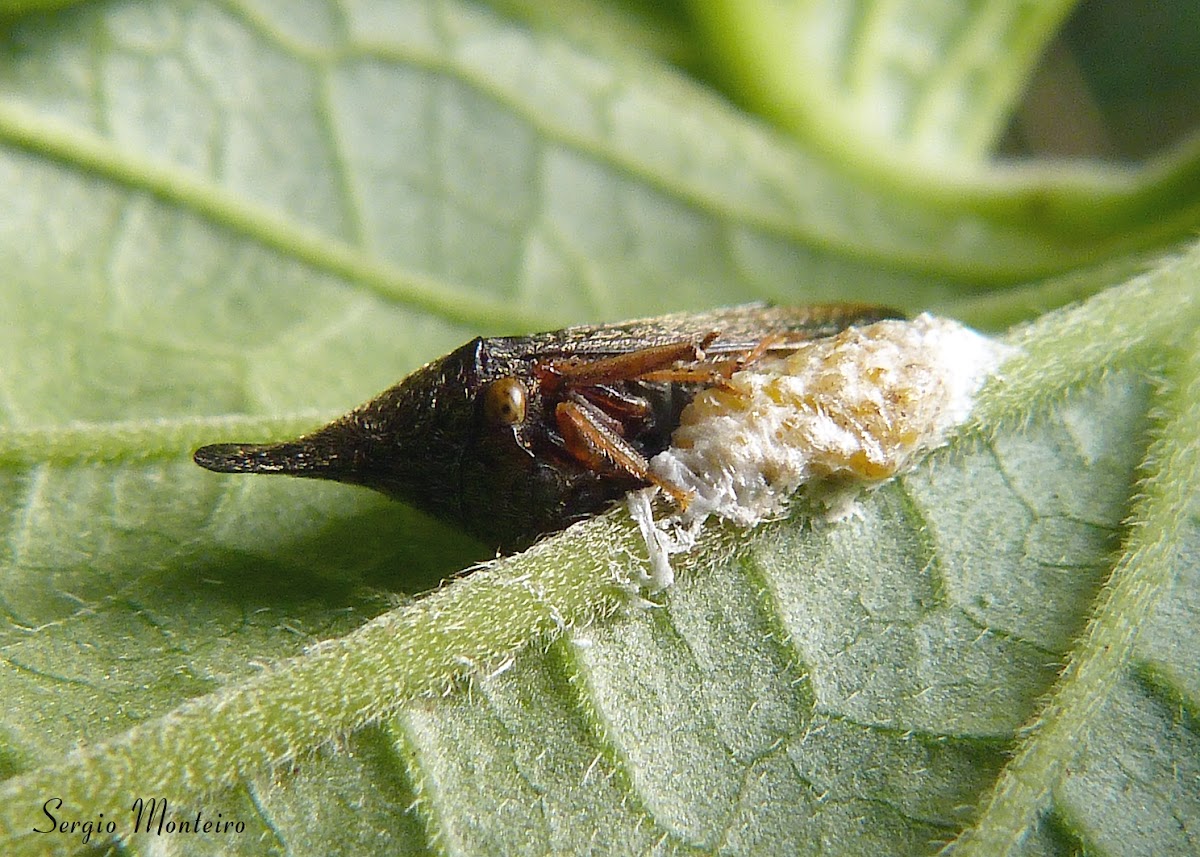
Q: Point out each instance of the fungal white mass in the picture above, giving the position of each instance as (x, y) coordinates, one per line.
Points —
(834, 416)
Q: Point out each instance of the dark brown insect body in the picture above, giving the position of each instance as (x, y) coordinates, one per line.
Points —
(515, 437)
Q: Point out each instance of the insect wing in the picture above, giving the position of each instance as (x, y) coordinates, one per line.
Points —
(738, 329)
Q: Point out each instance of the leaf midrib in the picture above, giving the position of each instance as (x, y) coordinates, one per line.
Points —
(1139, 581)
(84, 150)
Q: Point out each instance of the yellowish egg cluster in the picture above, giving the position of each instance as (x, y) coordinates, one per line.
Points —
(852, 409)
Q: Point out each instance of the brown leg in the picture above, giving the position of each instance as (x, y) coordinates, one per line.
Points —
(597, 412)
(622, 407)
(625, 367)
(721, 370)
(701, 373)
(597, 447)
(771, 341)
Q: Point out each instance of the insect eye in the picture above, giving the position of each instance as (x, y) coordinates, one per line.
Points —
(504, 402)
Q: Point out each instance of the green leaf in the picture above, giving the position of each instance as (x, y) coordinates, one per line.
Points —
(941, 81)
(228, 220)
(898, 92)
(12, 8)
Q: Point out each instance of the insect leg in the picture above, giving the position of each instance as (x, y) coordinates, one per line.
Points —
(720, 371)
(700, 373)
(624, 408)
(625, 367)
(594, 444)
(717, 371)
(770, 342)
